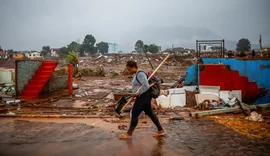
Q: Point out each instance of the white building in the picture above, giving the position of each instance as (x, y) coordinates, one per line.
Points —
(33, 55)
(3, 54)
(112, 48)
(54, 52)
(205, 48)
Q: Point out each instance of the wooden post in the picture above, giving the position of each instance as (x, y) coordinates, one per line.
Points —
(70, 69)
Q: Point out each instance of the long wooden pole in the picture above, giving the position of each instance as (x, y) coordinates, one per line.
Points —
(129, 101)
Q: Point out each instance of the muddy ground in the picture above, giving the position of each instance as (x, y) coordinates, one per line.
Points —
(99, 137)
(228, 134)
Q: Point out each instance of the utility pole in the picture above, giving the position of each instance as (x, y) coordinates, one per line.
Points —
(260, 43)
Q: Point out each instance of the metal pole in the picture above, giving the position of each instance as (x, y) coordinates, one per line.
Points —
(223, 47)
(197, 48)
(70, 68)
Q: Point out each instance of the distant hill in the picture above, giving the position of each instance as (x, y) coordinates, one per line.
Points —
(179, 36)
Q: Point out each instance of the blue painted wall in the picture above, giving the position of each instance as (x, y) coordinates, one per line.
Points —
(192, 78)
(256, 70)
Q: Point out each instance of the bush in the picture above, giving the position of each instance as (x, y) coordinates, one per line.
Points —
(60, 72)
(72, 58)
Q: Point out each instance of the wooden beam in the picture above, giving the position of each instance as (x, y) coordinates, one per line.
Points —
(220, 111)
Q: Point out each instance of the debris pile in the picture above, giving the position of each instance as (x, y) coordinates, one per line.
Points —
(120, 59)
(254, 116)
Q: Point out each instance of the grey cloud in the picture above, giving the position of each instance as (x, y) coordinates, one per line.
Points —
(30, 24)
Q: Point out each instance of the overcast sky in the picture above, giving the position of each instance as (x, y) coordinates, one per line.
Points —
(30, 24)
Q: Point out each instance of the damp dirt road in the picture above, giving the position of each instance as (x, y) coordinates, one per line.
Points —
(96, 137)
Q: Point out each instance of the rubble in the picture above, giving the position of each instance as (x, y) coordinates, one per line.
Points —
(254, 116)
(103, 79)
(10, 100)
(122, 127)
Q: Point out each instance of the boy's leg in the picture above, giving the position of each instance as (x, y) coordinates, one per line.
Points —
(148, 111)
(136, 111)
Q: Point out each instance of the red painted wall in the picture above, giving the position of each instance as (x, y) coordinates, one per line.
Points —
(219, 75)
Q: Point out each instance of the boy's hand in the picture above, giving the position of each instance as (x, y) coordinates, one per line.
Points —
(133, 99)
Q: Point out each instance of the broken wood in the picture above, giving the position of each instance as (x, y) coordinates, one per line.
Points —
(265, 105)
(242, 107)
(3, 110)
(176, 118)
(220, 111)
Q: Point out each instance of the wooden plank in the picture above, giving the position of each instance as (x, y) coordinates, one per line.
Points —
(220, 111)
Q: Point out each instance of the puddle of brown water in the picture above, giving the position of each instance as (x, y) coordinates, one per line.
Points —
(110, 125)
(142, 144)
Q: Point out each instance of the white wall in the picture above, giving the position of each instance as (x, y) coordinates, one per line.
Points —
(33, 55)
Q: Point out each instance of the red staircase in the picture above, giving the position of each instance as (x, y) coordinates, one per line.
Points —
(39, 80)
(219, 75)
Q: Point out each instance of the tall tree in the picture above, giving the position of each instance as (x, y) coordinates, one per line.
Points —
(1, 49)
(10, 51)
(74, 46)
(103, 47)
(63, 52)
(146, 48)
(45, 50)
(153, 48)
(243, 45)
(88, 44)
(139, 45)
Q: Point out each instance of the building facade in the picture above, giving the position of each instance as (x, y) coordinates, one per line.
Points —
(18, 56)
(33, 55)
(3, 55)
(112, 48)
